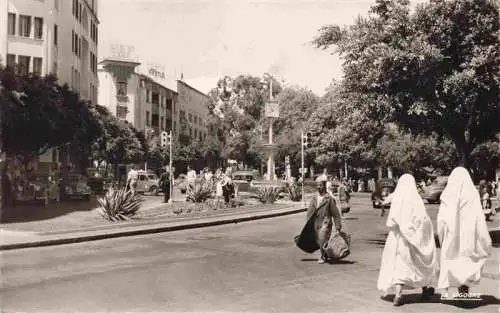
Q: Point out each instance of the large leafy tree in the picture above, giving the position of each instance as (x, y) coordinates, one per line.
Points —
(38, 114)
(344, 128)
(422, 154)
(439, 65)
(237, 107)
(119, 143)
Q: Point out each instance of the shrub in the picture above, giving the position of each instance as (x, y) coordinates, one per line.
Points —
(199, 193)
(267, 194)
(119, 204)
(294, 191)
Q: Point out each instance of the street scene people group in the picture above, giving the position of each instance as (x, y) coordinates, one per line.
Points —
(410, 258)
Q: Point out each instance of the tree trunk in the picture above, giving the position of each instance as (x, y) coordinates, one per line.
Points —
(463, 150)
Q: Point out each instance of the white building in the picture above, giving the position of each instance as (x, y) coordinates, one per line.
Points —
(138, 94)
(52, 36)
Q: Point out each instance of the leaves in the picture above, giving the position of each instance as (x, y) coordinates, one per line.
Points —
(438, 65)
(119, 205)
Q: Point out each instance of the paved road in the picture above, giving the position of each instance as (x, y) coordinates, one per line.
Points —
(247, 267)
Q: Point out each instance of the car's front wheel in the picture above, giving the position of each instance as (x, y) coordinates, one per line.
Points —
(154, 190)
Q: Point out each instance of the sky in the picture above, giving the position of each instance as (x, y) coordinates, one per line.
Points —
(207, 39)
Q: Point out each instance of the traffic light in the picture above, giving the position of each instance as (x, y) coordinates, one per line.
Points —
(165, 139)
(306, 140)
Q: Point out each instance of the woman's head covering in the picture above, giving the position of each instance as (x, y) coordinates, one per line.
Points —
(461, 212)
(409, 214)
(459, 193)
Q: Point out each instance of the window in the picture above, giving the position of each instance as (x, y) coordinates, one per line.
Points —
(155, 98)
(147, 118)
(54, 68)
(38, 28)
(12, 24)
(55, 35)
(121, 112)
(155, 120)
(162, 123)
(37, 66)
(11, 60)
(56, 4)
(175, 125)
(24, 26)
(80, 11)
(169, 104)
(122, 89)
(24, 64)
(195, 133)
(148, 95)
(190, 117)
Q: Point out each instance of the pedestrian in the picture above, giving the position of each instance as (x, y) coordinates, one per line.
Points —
(409, 259)
(228, 189)
(165, 185)
(324, 205)
(191, 178)
(465, 240)
(219, 180)
(132, 178)
(343, 198)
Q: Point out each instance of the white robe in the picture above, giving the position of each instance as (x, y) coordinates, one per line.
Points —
(462, 230)
(410, 256)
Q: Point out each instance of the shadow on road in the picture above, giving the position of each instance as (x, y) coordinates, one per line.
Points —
(30, 212)
(485, 300)
(332, 262)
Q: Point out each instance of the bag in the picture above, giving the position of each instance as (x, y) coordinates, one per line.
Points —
(306, 240)
(338, 247)
(344, 207)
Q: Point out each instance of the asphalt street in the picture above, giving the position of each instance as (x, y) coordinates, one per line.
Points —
(247, 267)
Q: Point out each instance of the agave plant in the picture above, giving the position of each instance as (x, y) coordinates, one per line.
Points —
(199, 193)
(119, 204)
(267, 194)
(294, 191)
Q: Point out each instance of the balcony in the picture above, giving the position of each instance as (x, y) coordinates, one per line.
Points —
(122, 98)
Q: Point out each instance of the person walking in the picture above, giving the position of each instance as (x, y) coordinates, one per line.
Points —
(343, 198)
(132, 178)
(326, 210)
(462, 231)
(409, 259)
(165, 185)
(219, 180)
(190, 177)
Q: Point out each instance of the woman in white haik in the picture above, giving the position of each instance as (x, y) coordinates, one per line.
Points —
(465, 240)
(409, 259)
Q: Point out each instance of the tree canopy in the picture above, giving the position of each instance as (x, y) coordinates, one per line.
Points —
(439, 65)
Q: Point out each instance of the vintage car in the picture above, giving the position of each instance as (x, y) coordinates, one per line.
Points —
(432, 192)
(383, 188)
(147, 182)
(77, 188)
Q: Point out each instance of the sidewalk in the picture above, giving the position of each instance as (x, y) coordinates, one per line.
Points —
(83, 226)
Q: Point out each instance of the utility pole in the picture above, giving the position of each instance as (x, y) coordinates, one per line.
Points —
(302, 163)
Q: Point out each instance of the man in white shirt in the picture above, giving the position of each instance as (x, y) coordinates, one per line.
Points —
(132, 179)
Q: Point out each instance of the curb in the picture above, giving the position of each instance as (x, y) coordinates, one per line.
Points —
(144, 230)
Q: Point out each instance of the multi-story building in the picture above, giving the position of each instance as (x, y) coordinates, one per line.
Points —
(52, 36)
(138, 95)
(193, 109)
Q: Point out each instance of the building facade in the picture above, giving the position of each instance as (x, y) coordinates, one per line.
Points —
(52, 36)
(193, 110)
(133, 93)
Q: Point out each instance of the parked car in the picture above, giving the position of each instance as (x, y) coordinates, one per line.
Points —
(383, 188)
(147, 182)
(432, 192)
(77, 188)
(243, 179)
